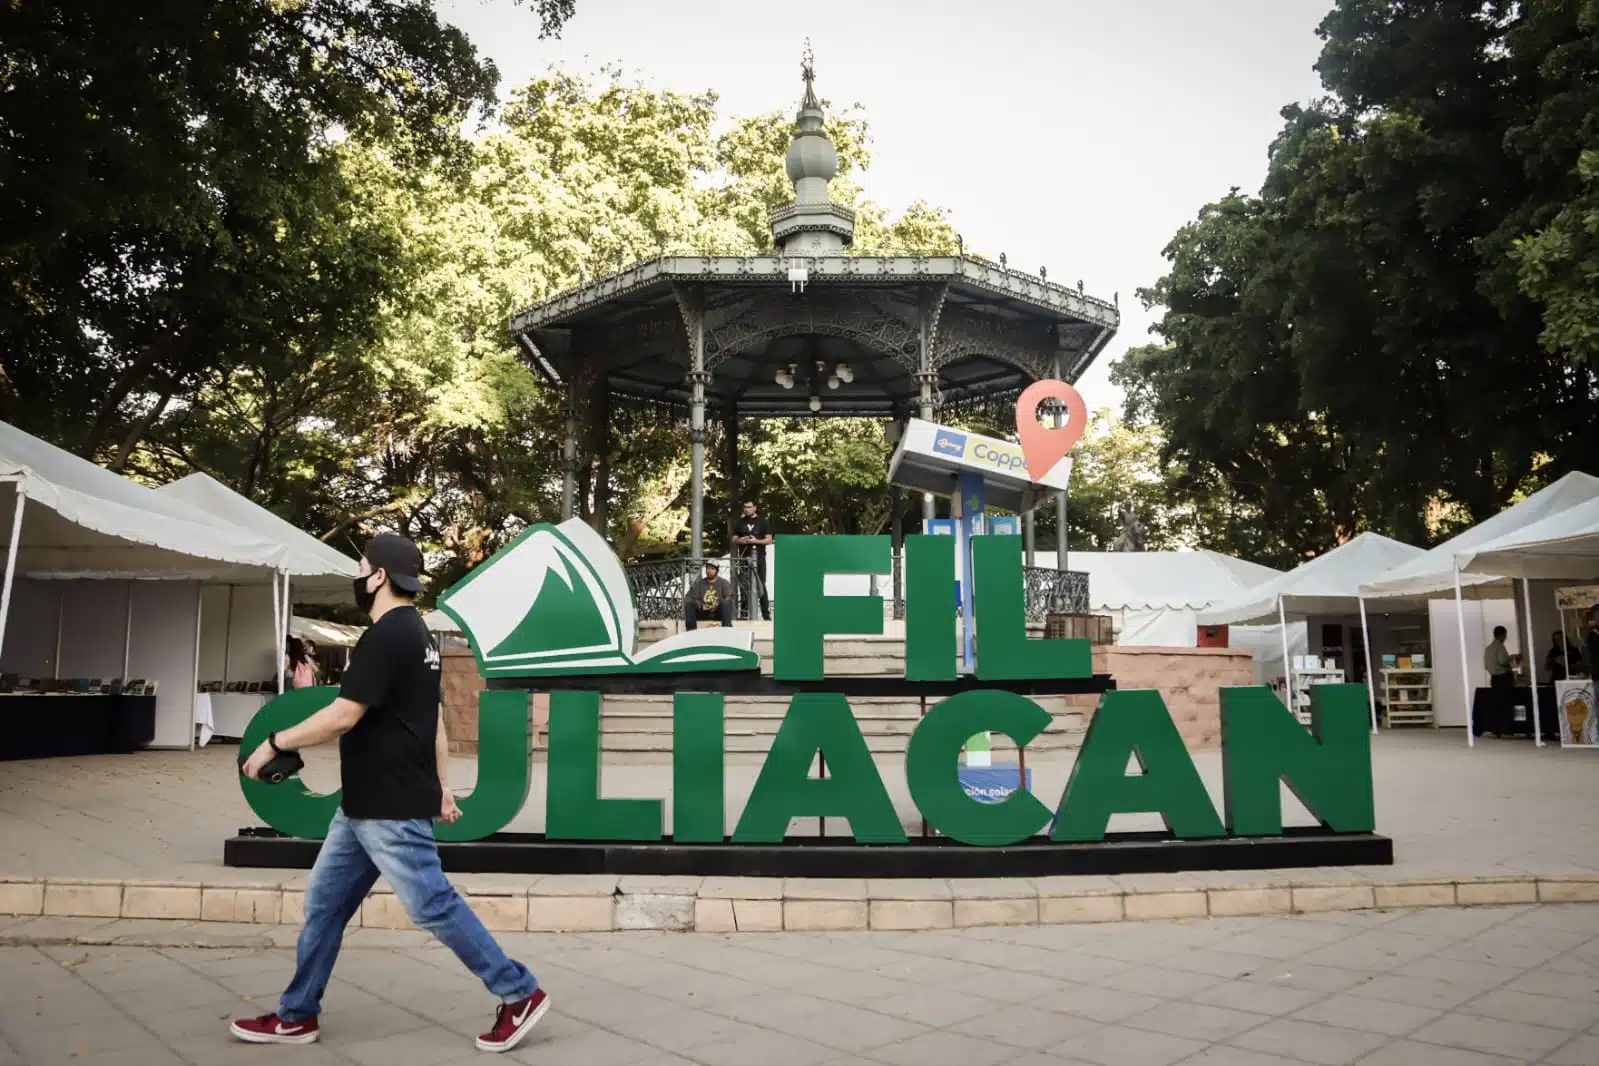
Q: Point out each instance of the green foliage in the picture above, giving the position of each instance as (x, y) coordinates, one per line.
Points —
(1354, 348)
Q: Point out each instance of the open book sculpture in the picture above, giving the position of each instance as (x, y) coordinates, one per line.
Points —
(556, 602)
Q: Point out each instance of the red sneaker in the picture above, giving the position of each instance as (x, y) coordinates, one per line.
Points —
(270, 1029)
(514, 1021)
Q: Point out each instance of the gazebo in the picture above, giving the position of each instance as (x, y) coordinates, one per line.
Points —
(805, 330)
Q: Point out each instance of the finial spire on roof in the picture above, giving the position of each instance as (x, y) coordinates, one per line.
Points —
(812, 223)
(808, 72)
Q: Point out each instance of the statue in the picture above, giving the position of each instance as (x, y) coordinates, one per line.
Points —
(1132, 534)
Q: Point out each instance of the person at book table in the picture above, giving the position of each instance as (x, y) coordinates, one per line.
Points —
(1497, 661)
(751, 535)
(709, 599)
(394, 771)
(1562, 660)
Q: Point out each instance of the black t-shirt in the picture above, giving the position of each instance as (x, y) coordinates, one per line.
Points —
(751, 527)
(389, 765)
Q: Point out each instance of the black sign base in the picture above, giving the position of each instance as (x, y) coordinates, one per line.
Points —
(1118, 853)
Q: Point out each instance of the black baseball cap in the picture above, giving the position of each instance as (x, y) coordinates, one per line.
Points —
(398, 557)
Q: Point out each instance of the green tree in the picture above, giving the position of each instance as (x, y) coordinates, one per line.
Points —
(1352, 348)
(160, 165)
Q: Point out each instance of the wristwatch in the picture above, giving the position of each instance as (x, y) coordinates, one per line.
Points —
(272, 741)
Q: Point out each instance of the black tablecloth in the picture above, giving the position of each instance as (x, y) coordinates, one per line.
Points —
(42, 727)
(1493, 711)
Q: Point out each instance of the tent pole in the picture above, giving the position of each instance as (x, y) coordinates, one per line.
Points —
(1371, 686)
(1288, 673)
(1465, 671)
(127, 635)
(277, 633)
(61, 611)
(194, 689)
(227, 642)
(1532, 663)
(11, 560)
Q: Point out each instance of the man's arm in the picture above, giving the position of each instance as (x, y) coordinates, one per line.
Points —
(330, 723)
(441, 752)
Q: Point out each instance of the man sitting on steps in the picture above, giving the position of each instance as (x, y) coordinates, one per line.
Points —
(709, 599)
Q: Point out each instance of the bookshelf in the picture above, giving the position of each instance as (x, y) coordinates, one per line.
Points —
(1407, 695)
(1304, 678)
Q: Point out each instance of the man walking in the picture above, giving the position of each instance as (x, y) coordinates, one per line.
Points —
(751, 535)
(394, 764)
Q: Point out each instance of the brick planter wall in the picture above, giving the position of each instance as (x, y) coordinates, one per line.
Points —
(1189, 679)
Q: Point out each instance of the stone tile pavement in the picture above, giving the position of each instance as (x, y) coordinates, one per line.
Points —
(1487, 986)
(1503, 809)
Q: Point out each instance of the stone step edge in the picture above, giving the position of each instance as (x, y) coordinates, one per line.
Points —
(604, 903)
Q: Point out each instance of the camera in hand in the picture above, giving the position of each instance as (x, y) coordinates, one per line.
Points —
(282, 765)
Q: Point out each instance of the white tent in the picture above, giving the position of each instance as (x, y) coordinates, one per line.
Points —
(1435, 572)
(319, 571)
(1440, 572)
(106, 578)
(325, 634)
(88, 522)
(1327, 584)
(1563, 546)
(1154, 598)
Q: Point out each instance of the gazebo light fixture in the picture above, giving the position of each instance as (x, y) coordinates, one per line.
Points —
(785, 376)
(832, 381)
(816, 404)
(845, 374)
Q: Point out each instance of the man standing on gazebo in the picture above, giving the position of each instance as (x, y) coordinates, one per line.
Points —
(751, 535)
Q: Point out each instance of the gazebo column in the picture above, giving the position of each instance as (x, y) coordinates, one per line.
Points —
(735, 485)
(698, 379)
(600, 444)
(926, 377)
(1060, 497)
(1029, 537)
(569, 455)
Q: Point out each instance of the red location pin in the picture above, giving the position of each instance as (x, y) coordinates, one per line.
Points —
(1041, 447)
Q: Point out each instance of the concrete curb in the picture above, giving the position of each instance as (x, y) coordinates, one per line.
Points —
(602, 903)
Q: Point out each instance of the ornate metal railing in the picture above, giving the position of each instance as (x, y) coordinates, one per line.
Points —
(1047, 592)
(659, 588)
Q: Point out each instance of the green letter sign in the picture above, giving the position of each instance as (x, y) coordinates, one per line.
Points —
(933, 759)
(785, 790)
(1328, 768)
(1134, 725)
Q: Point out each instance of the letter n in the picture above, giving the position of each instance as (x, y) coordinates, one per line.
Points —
(1328, 768)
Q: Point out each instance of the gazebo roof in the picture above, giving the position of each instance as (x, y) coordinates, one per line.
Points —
(809, 328)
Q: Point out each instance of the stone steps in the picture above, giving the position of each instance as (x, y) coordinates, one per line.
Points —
(640, 727)
(641, 724)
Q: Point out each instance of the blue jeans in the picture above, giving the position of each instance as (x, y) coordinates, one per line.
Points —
(355, 852)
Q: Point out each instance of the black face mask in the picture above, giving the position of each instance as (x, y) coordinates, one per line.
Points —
(364, 598)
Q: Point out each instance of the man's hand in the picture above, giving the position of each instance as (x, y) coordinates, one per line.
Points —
(257, 760)
(449, 811)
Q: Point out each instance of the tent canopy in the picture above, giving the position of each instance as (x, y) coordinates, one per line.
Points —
(84, 521)
(1161, 580)
(1327, 584)
(1430, 575)
(314, 566)
(325, 634)
(1564, 546)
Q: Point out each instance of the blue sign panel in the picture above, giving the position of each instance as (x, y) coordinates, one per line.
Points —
(950, 443)
(991, 784)
(1005, 525)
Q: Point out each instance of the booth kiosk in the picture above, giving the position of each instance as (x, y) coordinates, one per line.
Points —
(974, 472)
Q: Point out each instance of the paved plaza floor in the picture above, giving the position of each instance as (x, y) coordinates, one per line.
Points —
(1502, 809)
(1483, 986)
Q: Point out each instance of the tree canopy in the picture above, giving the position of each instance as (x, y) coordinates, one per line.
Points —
(1392, 334)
